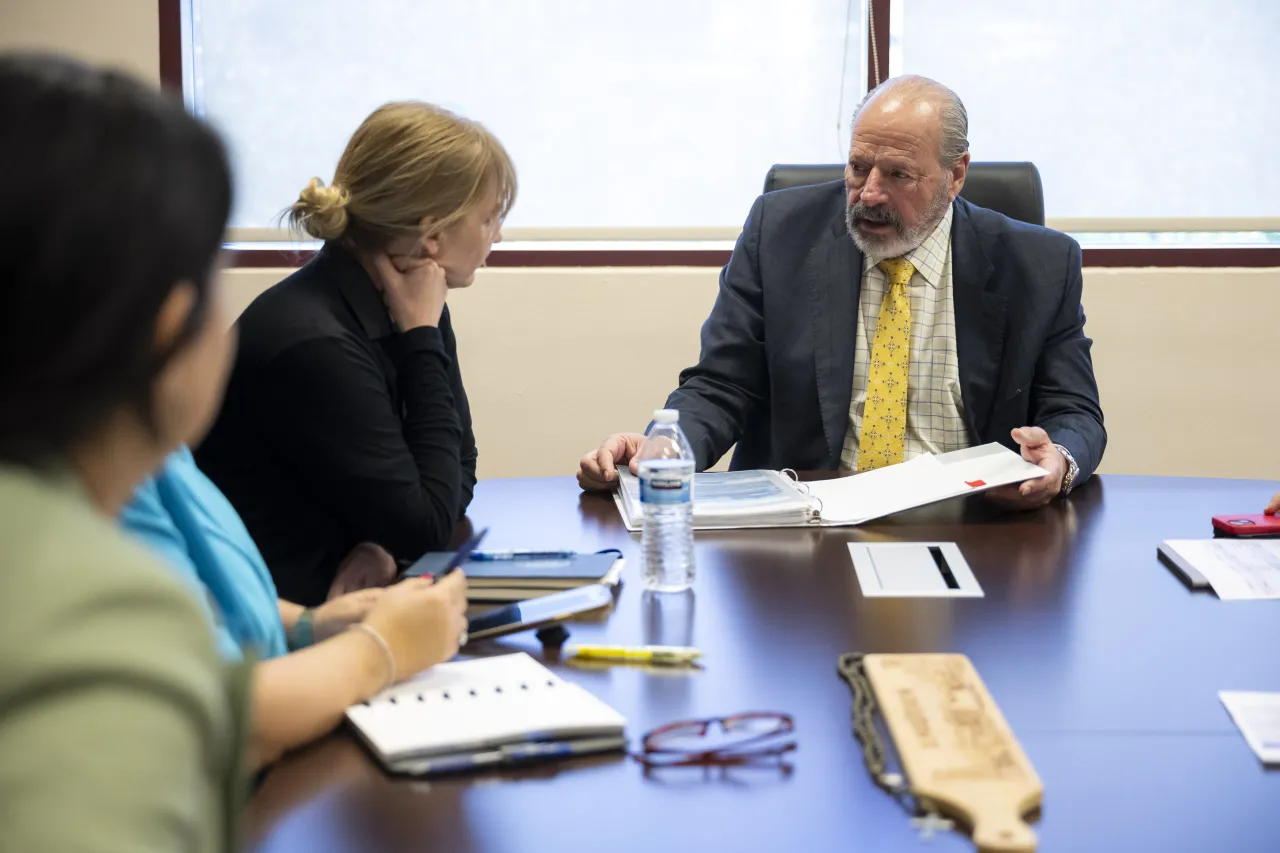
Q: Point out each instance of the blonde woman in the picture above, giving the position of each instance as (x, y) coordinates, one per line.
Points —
(346, 422)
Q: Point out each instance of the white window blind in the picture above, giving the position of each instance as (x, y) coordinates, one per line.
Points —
(1140, 110)
(624, 115)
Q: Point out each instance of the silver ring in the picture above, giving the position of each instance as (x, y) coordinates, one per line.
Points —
(462, 639)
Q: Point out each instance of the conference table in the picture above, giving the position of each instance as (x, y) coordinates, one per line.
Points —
(1104, 663)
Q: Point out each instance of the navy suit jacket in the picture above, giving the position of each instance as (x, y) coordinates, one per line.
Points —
(776, 370)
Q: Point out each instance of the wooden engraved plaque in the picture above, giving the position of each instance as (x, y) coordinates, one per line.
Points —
(956, 748)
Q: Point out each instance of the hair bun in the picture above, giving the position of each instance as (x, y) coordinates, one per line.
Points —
(321, 211)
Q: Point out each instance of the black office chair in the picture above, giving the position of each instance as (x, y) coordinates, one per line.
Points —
(1013, 189)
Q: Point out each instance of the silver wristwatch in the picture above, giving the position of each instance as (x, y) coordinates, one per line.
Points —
(1069, 478)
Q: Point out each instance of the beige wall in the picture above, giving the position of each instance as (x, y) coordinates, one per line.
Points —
(118, 33)
(1185, 363)
(554, 359)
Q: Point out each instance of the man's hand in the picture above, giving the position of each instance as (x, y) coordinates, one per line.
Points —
(1038, 450)
(367, 566)
(1274, 506)
(598, 470)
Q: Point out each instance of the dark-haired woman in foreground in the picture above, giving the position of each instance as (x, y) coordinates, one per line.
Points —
(119, 727)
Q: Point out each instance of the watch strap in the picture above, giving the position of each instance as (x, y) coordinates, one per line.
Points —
(1073, 469)
(302, 634)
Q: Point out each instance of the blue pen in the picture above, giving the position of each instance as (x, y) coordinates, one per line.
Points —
(461, 555)
(500, 556)
(537, 750)
(506, 756)
(449, 764)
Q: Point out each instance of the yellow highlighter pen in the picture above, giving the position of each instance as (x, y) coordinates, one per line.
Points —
(669, 655)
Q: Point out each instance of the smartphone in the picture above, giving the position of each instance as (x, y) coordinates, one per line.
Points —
(455, 562)
(1246, 525)
(536, 612)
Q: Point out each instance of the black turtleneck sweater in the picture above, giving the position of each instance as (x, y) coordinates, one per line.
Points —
(339, 429)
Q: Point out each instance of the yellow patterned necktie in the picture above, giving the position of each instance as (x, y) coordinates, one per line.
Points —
(884, 417)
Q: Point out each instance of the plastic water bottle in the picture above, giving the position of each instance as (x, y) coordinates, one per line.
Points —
(665, 469)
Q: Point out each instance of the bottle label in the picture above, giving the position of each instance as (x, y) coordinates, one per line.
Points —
(666, 488)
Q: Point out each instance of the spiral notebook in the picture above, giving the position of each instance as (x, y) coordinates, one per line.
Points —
(479, 704)
(739, 499)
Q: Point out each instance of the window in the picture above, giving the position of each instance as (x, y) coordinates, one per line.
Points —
(664, 114)
(1152, 121)
(1144, 110)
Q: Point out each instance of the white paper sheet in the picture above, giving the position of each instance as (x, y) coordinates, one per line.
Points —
(1236, 569)
(920, 481)
(987, 466)
(910, 570)
(853, 500)
(1258, 717)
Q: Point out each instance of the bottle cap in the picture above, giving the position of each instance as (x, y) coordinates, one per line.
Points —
(666, 416)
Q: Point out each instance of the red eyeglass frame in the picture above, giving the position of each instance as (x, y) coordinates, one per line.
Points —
(654, 754)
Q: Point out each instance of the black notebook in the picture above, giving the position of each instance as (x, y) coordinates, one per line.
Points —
(518, 579)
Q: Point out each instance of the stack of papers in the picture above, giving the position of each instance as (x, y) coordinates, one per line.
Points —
(1258, 717)
(1237, 569)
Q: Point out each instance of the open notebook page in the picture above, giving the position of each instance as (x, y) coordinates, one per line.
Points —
(476, 704)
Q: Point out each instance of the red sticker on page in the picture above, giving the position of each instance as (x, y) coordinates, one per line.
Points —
(975, 484)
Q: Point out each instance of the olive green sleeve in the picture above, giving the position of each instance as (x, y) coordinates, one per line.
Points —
(118, 733)
(105, 767)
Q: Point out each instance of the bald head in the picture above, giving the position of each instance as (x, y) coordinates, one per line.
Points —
(925, 104)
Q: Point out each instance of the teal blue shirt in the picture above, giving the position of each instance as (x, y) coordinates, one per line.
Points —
(182, 515)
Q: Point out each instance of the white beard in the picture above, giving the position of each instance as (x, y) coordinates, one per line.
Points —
(903, 241)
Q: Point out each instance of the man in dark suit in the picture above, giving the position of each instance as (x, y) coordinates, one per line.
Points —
(864, 322)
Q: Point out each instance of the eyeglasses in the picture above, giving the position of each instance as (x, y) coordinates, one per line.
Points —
(732, 741)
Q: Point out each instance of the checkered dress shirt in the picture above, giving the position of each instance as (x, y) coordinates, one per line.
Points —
(935, 411)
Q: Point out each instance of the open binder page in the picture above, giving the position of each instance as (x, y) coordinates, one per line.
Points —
(731, 499)
(853, 500)
(920, 481)
(987, 466)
